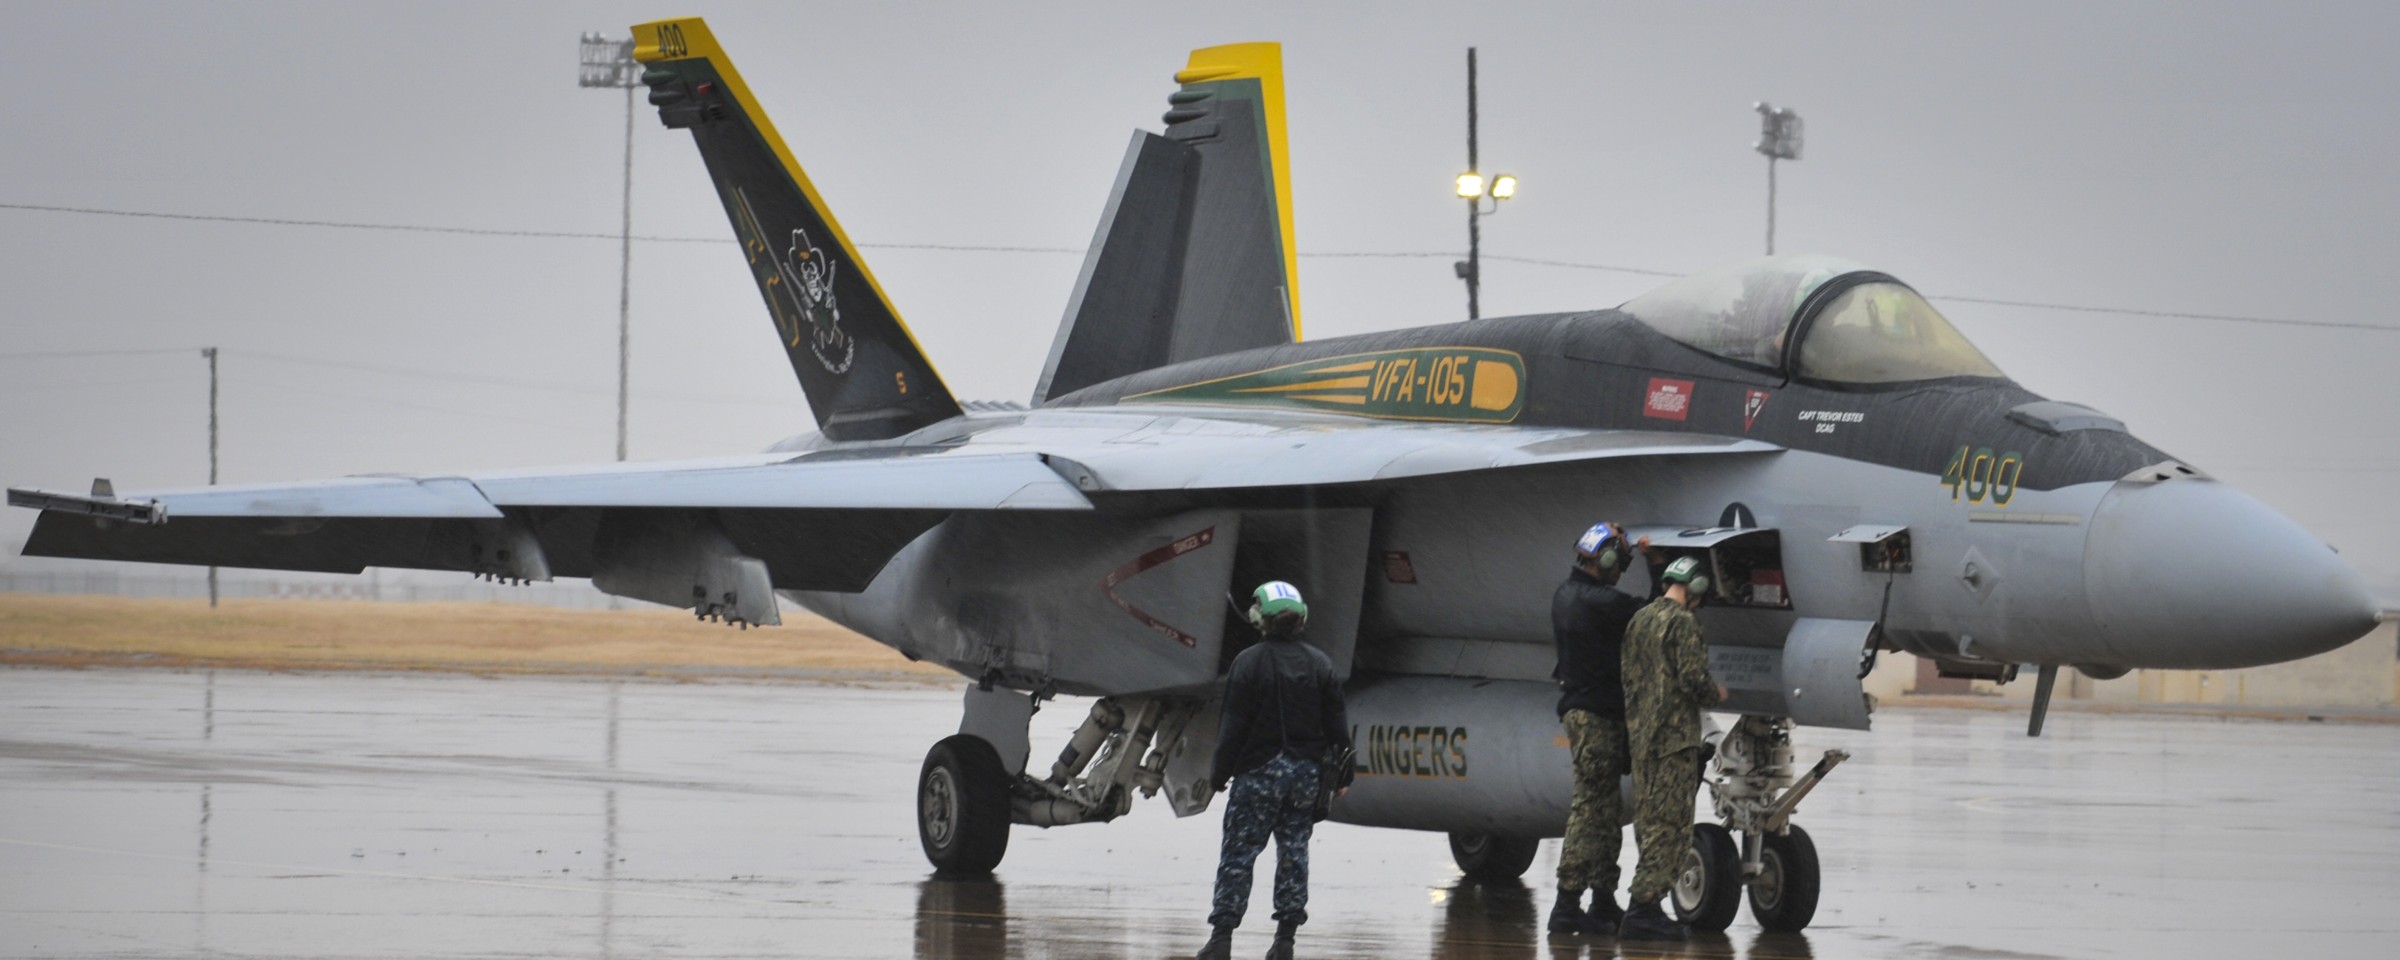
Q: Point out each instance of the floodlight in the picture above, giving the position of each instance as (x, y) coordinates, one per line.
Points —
(1779, 132)
(1504, 186)
(606, 63)
(1470, 185)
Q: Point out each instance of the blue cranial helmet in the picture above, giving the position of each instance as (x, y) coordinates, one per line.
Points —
(1603, 544)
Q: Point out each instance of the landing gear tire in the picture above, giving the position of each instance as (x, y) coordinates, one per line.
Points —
(1708, 884)
(1482, 856)
(962, 807)
(1784, 897)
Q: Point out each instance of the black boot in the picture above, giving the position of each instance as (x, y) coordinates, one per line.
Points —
(1604, 916)
(1645, 921)
(1281, 949)
(1566, 916)
(1219, 945)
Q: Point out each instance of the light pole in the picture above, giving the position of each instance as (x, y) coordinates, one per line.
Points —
(1779, 139)
(210, 354)
(609, 63)
(1473, 188)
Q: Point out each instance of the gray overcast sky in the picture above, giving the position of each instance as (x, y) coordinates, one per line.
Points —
(2216, 158)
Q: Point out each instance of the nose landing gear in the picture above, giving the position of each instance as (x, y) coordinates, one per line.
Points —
(1754, 793)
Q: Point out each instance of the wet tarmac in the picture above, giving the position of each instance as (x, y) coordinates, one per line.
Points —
(157, 814)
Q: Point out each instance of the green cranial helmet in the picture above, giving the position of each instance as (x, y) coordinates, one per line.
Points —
(1686, 571)
(1275, 598)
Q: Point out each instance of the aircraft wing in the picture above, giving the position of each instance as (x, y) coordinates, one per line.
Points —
(1228, 455)
(824, 520)
(821, 520)
(882, 478)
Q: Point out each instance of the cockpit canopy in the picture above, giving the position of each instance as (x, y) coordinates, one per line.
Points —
(1854, 325)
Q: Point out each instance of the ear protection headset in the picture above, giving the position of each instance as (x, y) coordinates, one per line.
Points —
(1686, 571)
(1603, 545)
(1272, 599)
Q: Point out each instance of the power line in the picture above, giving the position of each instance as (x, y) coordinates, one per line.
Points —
(1452, 255)
(2272, 469)
(1536, 261)
(414, 373)
(349, 225)
(88, 384)
(445, 376)
(54, 354)
(1993, 301)
(484, 231)
(476, 414)
(973, 248)
(421, 373)
(2171, 314)
(992, 248)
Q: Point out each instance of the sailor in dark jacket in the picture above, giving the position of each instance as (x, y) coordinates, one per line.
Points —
(1282, 710)
(1588, 615)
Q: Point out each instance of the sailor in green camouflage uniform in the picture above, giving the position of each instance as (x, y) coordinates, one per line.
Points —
(1588, 615)
(1666, 685)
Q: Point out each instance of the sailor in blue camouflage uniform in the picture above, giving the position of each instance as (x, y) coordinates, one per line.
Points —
(1282, 710)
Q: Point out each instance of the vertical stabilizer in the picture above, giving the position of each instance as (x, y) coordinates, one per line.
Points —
(864, 374)
(1194, 253)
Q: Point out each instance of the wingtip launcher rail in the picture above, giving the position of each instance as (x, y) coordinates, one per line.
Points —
(145, 512)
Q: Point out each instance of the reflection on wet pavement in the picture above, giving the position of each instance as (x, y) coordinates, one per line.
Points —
(1490, 921)
(1478, 921)
(150, 813)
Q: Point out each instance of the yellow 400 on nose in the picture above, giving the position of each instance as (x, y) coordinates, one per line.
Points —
(1978, 474)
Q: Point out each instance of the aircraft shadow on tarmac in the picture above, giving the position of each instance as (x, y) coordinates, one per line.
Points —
(1479, 921)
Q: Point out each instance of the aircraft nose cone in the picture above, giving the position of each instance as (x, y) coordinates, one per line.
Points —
(2191, 573)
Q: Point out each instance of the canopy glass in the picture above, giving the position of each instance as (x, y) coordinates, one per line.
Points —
(1870, 331)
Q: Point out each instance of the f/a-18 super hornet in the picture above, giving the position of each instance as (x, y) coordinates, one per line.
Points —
(1855, 474)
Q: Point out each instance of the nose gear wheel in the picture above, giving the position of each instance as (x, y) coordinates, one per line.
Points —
(1708, 883)
(1783, 897)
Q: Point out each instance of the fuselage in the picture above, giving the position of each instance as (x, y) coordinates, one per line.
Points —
(2041, 533)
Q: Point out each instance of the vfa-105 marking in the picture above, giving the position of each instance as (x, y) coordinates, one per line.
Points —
(1445, 384)
(1857, 476)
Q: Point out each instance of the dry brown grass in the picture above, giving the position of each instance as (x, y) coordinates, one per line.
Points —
(467, 637)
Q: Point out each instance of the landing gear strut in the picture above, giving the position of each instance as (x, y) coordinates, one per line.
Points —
(1754, 793)
(967, 799)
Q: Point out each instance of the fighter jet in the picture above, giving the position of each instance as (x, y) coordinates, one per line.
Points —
(1855, 474)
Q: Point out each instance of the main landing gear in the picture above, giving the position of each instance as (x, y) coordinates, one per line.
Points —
(1754, 793)
(967, 799)
(1491, 859)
